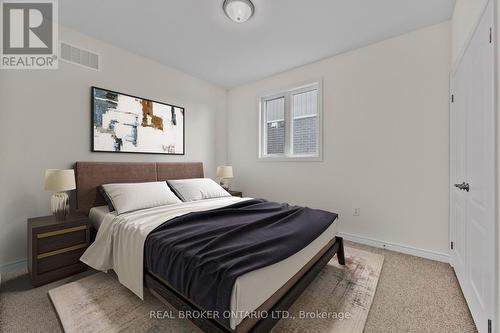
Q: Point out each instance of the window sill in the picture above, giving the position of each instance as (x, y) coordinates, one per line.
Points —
(291, 159)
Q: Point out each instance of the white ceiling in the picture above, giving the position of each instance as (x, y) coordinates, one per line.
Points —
(196, 37)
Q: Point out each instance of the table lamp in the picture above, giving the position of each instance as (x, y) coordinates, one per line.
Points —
(59, 182)
(223, 173)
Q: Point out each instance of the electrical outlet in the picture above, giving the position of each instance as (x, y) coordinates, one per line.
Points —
(356, 212)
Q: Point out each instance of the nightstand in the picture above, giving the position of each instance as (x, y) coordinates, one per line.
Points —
(236, 193)
(55, 247)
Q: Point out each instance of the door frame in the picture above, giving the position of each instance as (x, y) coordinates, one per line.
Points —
(454, 67)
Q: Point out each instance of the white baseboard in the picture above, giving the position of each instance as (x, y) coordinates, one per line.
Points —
(14, 266)
(428, 254)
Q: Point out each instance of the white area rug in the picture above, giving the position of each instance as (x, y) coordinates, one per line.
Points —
(338, 300)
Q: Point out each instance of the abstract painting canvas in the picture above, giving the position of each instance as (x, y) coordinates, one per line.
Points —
(129, 124)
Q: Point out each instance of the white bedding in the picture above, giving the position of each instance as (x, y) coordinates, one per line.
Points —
(119, 245)
(97, 215)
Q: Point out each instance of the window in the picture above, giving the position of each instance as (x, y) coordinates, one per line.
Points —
(290, 124)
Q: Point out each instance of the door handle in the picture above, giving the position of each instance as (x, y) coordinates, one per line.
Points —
(464, 186)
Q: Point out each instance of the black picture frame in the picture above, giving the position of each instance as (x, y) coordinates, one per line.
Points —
(92, 122)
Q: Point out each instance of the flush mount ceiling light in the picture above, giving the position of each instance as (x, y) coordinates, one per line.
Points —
(238, 10)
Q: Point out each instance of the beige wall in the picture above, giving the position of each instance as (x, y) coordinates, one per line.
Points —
(45, 123)
(465, 16)
(385, 140)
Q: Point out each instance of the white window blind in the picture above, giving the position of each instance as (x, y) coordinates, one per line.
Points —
(275, 126)
(305, 122)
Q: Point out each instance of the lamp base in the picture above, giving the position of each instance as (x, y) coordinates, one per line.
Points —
(60, 205)
(224, 184)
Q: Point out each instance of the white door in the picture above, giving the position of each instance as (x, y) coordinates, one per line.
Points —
(472, 197)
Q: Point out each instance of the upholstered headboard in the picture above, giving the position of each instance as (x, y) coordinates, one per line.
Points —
(89, 175)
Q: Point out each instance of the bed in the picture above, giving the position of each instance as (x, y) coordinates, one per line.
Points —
(252, 291)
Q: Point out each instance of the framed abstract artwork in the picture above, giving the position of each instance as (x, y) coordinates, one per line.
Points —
(129, 124)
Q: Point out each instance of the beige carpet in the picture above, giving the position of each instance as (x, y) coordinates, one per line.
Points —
(413, 295)
(337, 301)
(417, 295)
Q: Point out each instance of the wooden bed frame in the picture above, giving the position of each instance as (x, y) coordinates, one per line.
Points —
(89, 175)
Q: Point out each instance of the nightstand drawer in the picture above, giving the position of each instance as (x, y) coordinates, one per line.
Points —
(59, 273)
(60, 239)
(51, 261)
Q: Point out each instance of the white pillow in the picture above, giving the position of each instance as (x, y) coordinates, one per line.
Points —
(128, 197)
(197, 189)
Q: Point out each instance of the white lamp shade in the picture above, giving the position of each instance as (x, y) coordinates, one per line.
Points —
(239, 10)
(59, 180)
(225, 172)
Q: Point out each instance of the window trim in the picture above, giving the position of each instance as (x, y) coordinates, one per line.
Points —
(287, 93)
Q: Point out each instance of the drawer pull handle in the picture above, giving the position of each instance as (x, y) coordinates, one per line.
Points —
(61, 232)
(56, 252)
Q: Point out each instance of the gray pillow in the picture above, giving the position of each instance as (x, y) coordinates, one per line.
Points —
(128, 197)
(106, 198)
(197, 189)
